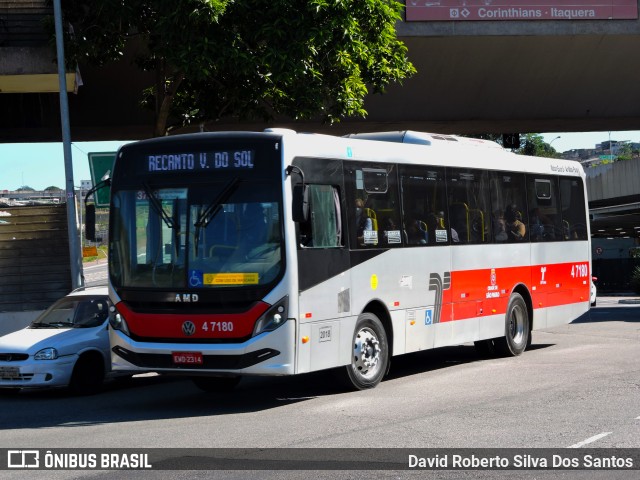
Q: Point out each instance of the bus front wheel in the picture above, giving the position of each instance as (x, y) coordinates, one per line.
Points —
(517, 328)
(369, 354)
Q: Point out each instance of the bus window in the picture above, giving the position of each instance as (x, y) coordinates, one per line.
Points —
(323, 229)
(423, 205)
(508, 207)
(374, 211)
(468, 192)
(573, 212)
(545, 220)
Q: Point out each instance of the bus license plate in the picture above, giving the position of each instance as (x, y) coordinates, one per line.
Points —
(187, 358)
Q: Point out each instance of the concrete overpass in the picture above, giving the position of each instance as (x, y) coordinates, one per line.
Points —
(614, 199)
(473, 77)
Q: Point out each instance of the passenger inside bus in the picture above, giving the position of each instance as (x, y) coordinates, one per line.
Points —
(417, 233)
(253, 227)
(541, 226)
(499, 227)
(516, 230)
(366, 232)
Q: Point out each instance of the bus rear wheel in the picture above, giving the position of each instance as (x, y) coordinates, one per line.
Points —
(369, 354)
(517, 328)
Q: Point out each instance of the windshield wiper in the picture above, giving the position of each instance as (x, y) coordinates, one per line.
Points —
(53, 325)
(209, 213)
(213, 208)
(157, 206)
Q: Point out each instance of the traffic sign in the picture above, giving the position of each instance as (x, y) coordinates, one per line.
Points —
(100, 164)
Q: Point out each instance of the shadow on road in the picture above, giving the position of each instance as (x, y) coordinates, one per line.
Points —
(610, 314)
(155, 397)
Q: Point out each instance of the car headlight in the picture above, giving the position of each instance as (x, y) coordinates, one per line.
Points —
(273, 318)
(48, 353)
(117, 321)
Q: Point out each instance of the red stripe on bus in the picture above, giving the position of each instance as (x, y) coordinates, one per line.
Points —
(475, 293)
(207, 326)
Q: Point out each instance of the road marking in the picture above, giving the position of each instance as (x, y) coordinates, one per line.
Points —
(590, 440)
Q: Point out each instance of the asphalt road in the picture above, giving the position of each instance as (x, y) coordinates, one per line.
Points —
(578, 386)
(95, 273)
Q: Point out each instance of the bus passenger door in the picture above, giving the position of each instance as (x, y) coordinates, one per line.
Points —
(323, 269)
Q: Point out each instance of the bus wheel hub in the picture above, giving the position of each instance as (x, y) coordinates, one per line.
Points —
(366, 351)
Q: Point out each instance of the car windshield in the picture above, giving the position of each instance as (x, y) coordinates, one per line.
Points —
(74, 312)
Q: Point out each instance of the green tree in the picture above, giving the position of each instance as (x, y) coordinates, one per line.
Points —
(533, 144)
(215, 59)
(530, 144)
(625, 152)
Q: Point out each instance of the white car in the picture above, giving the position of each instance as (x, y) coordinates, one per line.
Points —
(66, 346)
(593, 291)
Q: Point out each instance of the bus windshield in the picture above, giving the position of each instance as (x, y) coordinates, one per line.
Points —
(225, 233)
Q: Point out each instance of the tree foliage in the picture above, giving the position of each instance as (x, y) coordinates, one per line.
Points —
(247, 59)
(533, 144)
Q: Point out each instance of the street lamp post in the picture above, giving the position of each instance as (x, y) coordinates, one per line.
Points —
(554, 140)
(74, 250)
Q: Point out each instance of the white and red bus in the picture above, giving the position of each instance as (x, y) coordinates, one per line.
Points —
(280, 253)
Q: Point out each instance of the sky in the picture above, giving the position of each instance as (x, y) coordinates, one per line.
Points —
(41, 165)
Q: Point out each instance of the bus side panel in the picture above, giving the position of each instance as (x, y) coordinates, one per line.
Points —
(326, 325)
(560, 280)
(412, 284)
(482, 279)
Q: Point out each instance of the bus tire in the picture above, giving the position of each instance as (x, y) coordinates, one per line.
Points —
(517, 328)
(216, 384)
(369, 355)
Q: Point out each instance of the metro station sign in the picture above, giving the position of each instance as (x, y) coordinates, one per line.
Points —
(517, 10)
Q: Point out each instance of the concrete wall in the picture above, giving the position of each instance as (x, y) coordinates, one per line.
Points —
(614, 180)
(34, 262)
(13, 321)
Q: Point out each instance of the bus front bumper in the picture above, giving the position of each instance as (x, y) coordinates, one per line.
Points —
(270, 353)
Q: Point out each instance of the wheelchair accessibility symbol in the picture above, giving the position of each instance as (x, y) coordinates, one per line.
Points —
(428, 316)
(195, 278)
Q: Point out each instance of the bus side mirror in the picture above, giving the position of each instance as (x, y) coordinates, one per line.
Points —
(300, 204)
(90, 222)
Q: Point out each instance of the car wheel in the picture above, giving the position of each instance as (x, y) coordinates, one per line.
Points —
(369, 356)
(216, 384)
(517, 329)
(88, 375)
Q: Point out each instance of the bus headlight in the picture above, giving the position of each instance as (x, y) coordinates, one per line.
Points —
(117, 321)
(273, 318)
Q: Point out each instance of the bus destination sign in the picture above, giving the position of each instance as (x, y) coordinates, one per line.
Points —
(201, 161)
